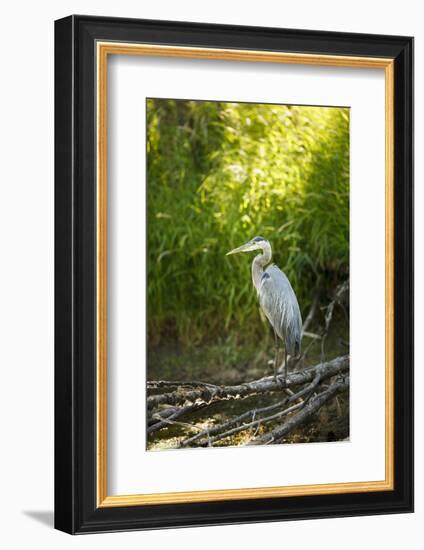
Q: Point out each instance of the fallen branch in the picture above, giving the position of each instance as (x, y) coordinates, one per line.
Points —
(303, 415)
(225, 427)
(209, 394)
(158, 384)
(163, 418)
(254, 423)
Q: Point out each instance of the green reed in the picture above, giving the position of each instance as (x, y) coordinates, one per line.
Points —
(217, 175)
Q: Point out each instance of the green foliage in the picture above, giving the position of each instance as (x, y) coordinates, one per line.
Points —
(221, 173)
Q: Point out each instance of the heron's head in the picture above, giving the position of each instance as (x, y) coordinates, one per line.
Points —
(257, 243)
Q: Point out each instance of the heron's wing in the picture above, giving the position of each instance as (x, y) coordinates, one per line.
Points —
(279, 303)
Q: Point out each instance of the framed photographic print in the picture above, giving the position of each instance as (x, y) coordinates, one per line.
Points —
(234, 274)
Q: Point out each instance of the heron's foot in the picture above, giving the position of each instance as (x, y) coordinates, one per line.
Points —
(279, 380)
(277, 377)
(280, 376)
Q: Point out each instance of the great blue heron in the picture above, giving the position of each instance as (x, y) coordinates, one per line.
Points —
(276, 299)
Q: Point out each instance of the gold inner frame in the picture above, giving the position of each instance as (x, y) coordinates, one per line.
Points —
(104, 49)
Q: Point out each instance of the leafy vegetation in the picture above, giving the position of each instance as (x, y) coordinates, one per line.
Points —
(217, 175)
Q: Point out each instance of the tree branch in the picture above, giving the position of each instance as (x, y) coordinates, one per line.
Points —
(311, 313)
(225, 427)
(302, 416)
(163, 418)
(183, 396)
(341, 290)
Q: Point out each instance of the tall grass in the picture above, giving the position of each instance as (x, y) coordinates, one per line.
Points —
(221, 173)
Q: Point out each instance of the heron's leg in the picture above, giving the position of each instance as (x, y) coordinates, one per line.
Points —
(285, 365)
(284, 374)
(276, 355)
(288, 390)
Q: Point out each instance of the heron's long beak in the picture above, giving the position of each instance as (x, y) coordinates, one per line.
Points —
(247, 247)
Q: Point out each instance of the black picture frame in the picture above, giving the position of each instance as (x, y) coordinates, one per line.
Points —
(76, 510)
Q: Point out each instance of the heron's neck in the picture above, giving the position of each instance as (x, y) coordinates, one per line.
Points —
(258, 264)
